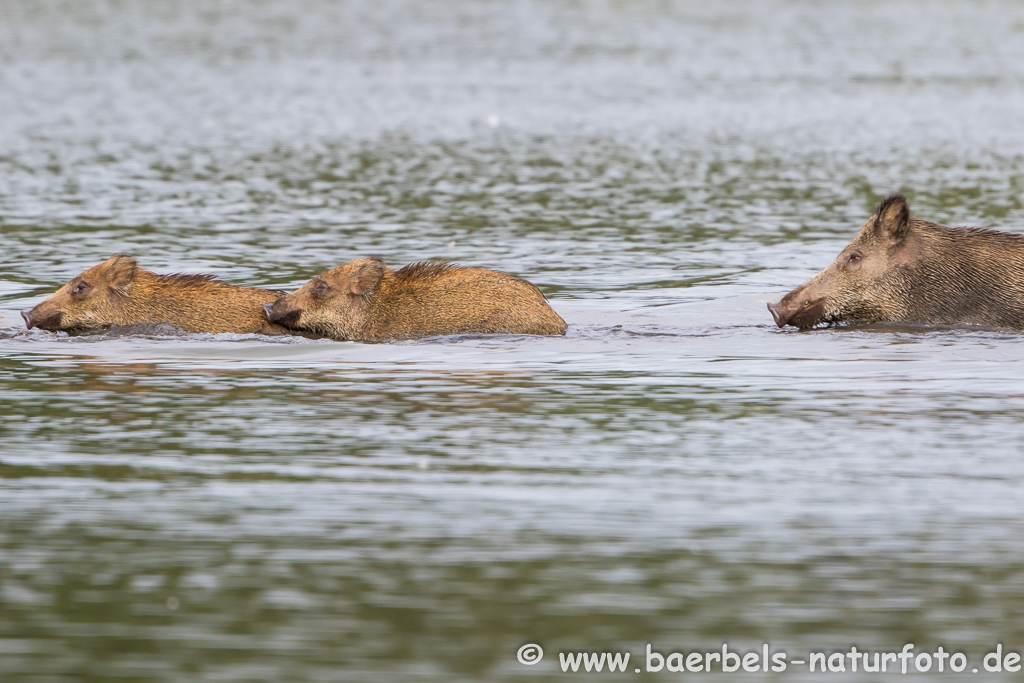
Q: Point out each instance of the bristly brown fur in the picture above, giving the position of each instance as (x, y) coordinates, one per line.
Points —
(425, 269)
(189, 281)
(120, 292)
(186, 280)
(903, 269)
(366, 301)
(1009, 238)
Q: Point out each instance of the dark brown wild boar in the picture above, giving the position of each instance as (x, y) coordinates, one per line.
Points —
(119, 292)
(367, 301)
(903, 269)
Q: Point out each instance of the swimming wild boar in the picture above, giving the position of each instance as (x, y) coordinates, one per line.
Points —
(367, 301)
(903, 269)
(119, 292)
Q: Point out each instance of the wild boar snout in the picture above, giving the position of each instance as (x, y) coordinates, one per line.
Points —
(776, 311)
(41, 319)
(282, 315)
(798, 309)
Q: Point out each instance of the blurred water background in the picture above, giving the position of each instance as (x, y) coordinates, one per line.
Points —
(674, 471)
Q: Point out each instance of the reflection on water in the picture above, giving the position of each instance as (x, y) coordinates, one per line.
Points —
(675, 470)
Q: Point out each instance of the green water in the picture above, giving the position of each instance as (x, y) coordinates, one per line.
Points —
(675, 471)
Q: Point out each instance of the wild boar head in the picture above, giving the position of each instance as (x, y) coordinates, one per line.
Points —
(868, 281)
(334, 304)
(92, 300)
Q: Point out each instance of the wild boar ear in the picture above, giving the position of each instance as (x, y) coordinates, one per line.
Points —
(120, 271)
(892, 218)
(366, 279)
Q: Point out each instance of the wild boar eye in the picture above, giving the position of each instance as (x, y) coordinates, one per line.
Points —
(321, 289)
(80, 288)
(854, 258)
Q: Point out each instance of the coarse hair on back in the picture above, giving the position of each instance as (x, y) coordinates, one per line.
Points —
(1008, 238)
(429, 270)
(425, 270)
(188, 281)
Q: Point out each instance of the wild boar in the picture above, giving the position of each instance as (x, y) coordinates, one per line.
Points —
(367, 301)
(119, 292)
(903, 269)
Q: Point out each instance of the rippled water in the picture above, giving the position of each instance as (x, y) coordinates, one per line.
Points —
(674, 471)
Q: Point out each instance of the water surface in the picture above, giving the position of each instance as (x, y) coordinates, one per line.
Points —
(675, 470)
